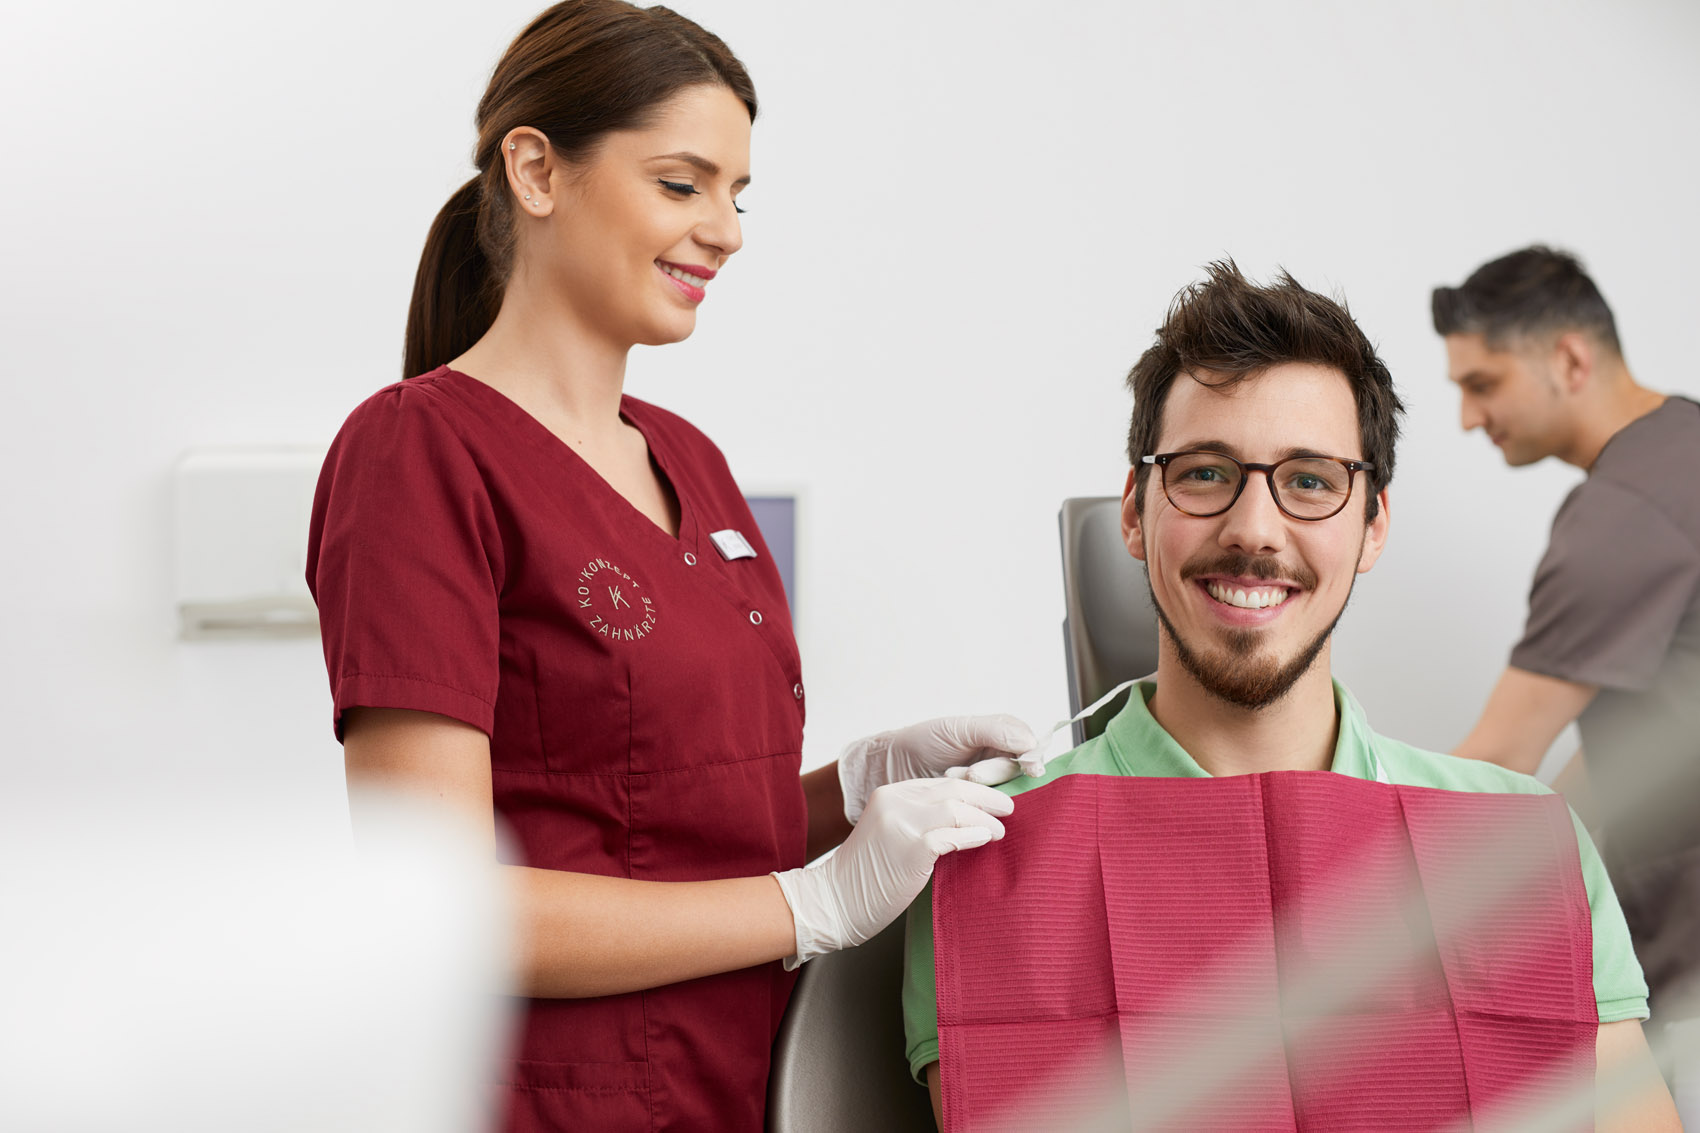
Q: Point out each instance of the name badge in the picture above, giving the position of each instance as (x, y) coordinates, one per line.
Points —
(732, 545)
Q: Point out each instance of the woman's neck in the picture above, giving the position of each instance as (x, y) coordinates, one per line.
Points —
(540, 356)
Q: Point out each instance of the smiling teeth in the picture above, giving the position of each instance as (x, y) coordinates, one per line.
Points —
(1254, 599)
(694, 281)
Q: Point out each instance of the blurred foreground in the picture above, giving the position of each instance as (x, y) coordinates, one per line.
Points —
(214, 964)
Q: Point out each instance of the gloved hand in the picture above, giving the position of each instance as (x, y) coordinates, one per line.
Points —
(1003, 768)
(930, 749)
(843, 899)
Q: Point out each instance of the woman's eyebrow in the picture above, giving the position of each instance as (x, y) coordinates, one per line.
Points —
(699, 162)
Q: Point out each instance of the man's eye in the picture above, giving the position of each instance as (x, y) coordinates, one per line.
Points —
(1204, 475)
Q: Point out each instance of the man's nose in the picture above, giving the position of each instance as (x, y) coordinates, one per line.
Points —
(1254, 525)
(1470, 417)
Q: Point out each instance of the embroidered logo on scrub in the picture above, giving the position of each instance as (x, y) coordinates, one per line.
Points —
(614, 602)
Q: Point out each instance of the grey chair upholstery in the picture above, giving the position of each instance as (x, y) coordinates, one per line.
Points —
(838, 1062)
(1109, 627)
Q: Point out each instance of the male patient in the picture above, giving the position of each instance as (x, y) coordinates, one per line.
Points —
(1262, 443)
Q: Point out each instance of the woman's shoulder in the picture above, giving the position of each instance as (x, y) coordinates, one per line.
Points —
(422, 391)
(419, 406)
(413, 428)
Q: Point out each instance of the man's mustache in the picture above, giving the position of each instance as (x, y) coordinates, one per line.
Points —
(1249, 566)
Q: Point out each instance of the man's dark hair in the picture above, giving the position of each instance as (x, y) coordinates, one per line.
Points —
(1227, 329)
(1531, 293)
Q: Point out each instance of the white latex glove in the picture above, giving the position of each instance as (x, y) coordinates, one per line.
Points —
(843, 899)
(1003, 768)
(930, 749)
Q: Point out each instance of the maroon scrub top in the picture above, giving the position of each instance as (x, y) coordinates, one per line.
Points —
(642, 695)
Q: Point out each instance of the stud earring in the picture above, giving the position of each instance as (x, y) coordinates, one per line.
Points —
(510, 145)
(528, 196)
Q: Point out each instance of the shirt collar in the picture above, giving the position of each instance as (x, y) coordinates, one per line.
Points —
(1140, 746)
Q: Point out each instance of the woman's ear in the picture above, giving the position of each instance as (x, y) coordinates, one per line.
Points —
(530, 163)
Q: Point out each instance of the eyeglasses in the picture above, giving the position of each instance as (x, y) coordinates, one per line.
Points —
(1203, 484)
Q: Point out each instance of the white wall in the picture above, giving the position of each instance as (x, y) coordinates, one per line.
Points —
(967, 220)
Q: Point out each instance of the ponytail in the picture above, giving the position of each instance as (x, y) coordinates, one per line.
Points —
(454, 292)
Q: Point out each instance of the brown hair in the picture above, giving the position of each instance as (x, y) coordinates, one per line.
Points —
(583, 69)
(1533, 292)
(1227, 329)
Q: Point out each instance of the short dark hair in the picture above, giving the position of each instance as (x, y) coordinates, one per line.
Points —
(1226, 329)
(1530, 293)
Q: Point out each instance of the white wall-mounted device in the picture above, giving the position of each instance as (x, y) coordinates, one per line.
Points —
(241, 516)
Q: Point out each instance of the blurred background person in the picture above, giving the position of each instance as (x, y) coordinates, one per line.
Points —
(1612, 638)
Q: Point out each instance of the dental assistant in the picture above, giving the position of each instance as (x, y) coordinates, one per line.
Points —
(544, 600)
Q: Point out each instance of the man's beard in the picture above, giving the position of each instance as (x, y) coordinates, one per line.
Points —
(1240, 673)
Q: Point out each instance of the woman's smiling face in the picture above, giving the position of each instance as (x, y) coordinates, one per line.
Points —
(630, 237)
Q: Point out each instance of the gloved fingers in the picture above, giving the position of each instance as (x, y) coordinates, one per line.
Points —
(1033, 764)
(976, 795)
(998, 769)
(911, 809)
(985, 736)
(964, 815)
(951, 839)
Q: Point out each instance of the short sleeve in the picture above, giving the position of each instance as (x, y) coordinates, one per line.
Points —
(1620, 990)
(920, 987)
(1610, 592)
(404, 561)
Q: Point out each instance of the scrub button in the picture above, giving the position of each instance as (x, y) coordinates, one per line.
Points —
(755, 617)
(797, 690)
(690, 559)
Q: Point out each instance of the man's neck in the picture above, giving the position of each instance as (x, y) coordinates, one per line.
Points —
(1617, 403)
(1296, 733)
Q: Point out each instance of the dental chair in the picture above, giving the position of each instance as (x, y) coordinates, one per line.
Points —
(838, 1062)
(1109, 625)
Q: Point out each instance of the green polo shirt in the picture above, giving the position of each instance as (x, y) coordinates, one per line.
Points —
(1134, 743)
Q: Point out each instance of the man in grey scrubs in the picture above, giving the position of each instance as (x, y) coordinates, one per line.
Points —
(1612, 639)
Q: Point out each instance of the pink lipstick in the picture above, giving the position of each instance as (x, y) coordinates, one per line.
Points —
(690, 279)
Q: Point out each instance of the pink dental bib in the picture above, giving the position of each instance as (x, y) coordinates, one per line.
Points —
(1287, 951)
